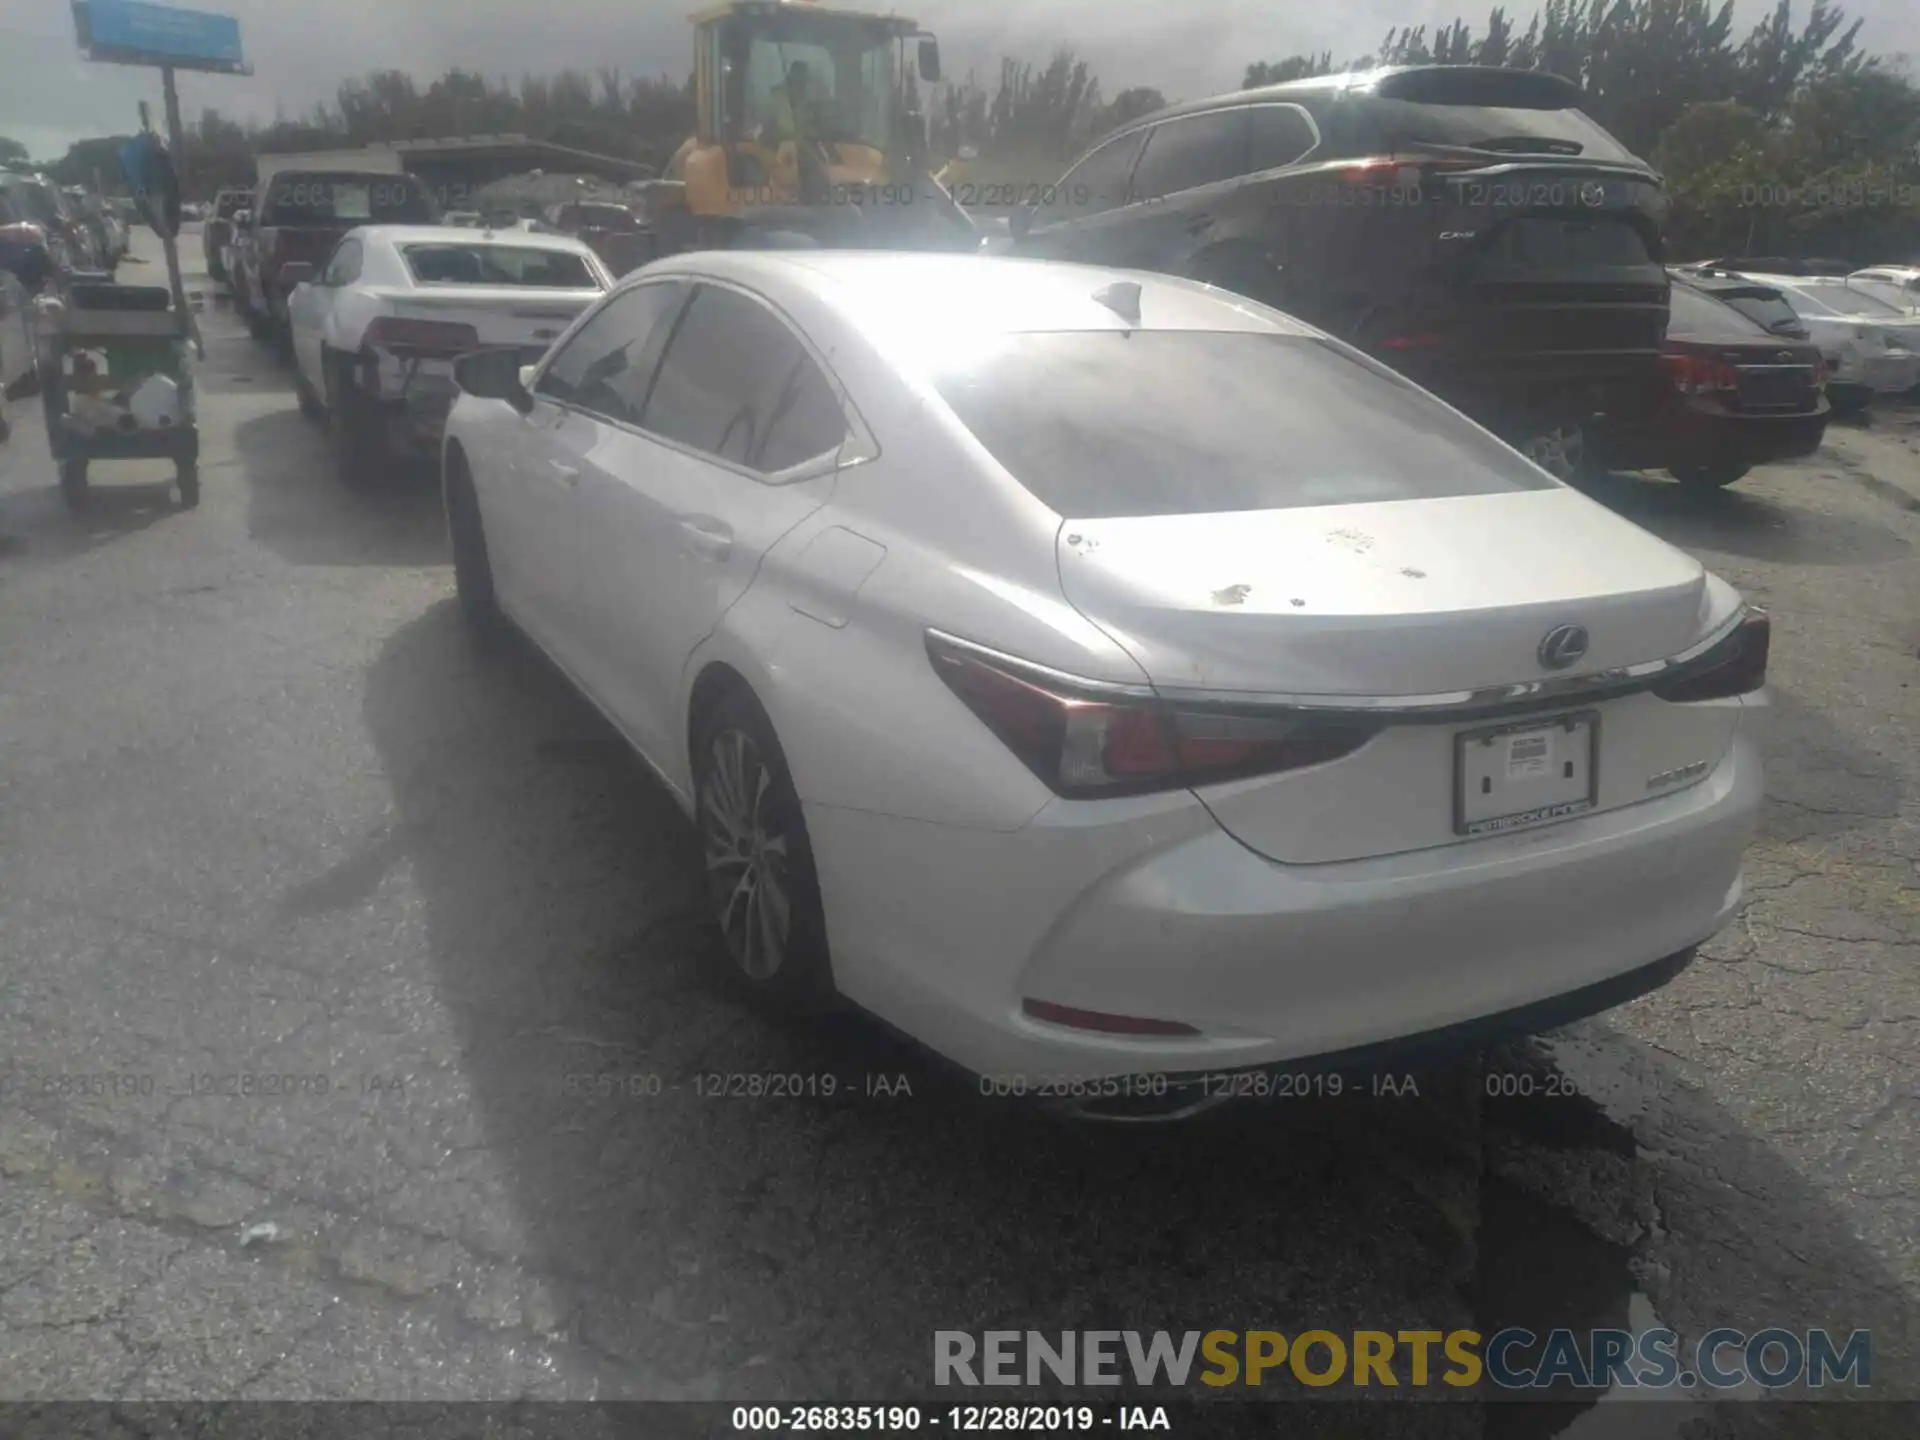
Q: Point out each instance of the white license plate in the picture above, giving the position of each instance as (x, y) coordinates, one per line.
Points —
(1507, 777)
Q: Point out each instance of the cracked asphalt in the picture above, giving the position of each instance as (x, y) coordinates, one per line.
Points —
(354, 991)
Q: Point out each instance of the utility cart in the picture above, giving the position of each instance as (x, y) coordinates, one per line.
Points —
(117, 383)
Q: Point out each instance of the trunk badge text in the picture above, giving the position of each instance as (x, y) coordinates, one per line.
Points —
(1675, 777)
(1562, 646)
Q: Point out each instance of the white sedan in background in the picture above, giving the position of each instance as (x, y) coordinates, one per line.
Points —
(1875, 347)
(1097, 675)
(376, 331)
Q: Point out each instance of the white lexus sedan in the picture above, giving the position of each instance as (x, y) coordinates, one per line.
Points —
(376, 330)
(1098, 675)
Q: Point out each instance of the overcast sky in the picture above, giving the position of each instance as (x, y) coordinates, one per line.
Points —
(300, 51)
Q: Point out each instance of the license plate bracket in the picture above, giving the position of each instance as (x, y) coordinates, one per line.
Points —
(1526, 773)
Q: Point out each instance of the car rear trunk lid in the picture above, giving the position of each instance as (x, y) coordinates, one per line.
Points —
(521, 316)
(1424, 602)
(1396, 598)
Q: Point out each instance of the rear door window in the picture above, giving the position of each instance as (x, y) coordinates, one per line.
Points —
(1192, 151)
(736, 383)
(608, 366)
(1100, 424)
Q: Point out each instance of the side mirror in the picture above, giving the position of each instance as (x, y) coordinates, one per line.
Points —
(929, 59)
(1020, 222)
(493, 375)
(525, 376)
(297, 272)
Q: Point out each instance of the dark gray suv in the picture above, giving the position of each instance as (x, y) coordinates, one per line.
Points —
(1470, 226)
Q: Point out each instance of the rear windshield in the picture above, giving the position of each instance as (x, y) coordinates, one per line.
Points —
(604, 217)
(480, 264)
(1401, 122)
(1697, 314)
(1769, 312)
(312, 197)
(1846, 301)
(1101, 424)
(1885, 291)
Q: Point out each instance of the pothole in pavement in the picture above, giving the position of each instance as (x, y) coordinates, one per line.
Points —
(1543, 1267)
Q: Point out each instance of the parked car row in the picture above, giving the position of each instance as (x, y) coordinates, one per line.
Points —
(1866, 323)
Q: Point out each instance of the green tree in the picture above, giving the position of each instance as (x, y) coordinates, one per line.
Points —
(12, 152)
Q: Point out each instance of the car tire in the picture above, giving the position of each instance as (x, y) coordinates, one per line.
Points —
(258, 325)
(310, 404)
(1709, 477)
(73, 484)
(759, 860)
(359, 454)
(472, 565)
(186, 479)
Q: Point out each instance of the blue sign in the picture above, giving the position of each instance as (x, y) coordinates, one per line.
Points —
(135, 32)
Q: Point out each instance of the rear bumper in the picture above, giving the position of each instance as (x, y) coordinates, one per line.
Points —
(1167, 917)
(1682, 436)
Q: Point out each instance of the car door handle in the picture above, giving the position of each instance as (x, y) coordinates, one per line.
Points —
(1199, 224)
(708, 538)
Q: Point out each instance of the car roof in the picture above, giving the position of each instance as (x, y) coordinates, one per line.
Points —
(467, 235)
(884, 292)
(1361, 84)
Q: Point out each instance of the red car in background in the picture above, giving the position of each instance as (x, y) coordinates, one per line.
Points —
(300, 217)
(1734, 396)
(608, 228)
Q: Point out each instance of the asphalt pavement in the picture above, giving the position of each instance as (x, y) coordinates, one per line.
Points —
(356, 1000)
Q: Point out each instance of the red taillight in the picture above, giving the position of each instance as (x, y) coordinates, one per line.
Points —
(1394, 171)
(1104, 1024)
(420, 337)
(1700, 374)
(1736, 666)
(1820, 372)
(1091, 744)
(1409, 342)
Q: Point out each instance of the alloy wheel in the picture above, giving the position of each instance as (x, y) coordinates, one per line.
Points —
(746, 854)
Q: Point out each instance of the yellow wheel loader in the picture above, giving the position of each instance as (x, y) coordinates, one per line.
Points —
(806, 134)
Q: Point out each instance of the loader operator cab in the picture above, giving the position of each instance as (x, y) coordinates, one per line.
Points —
(798, 104)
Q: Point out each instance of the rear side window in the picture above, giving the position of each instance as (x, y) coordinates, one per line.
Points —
(1695, 314)
(313, 197)
(1167, 422)
(608, 365)
(1276, 135)
(738, 384)
(1192, 151)
(1097, 183)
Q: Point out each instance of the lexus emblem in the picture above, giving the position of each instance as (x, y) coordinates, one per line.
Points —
(1562, 646)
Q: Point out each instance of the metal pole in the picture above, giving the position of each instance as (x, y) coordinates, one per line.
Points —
(177, 147)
